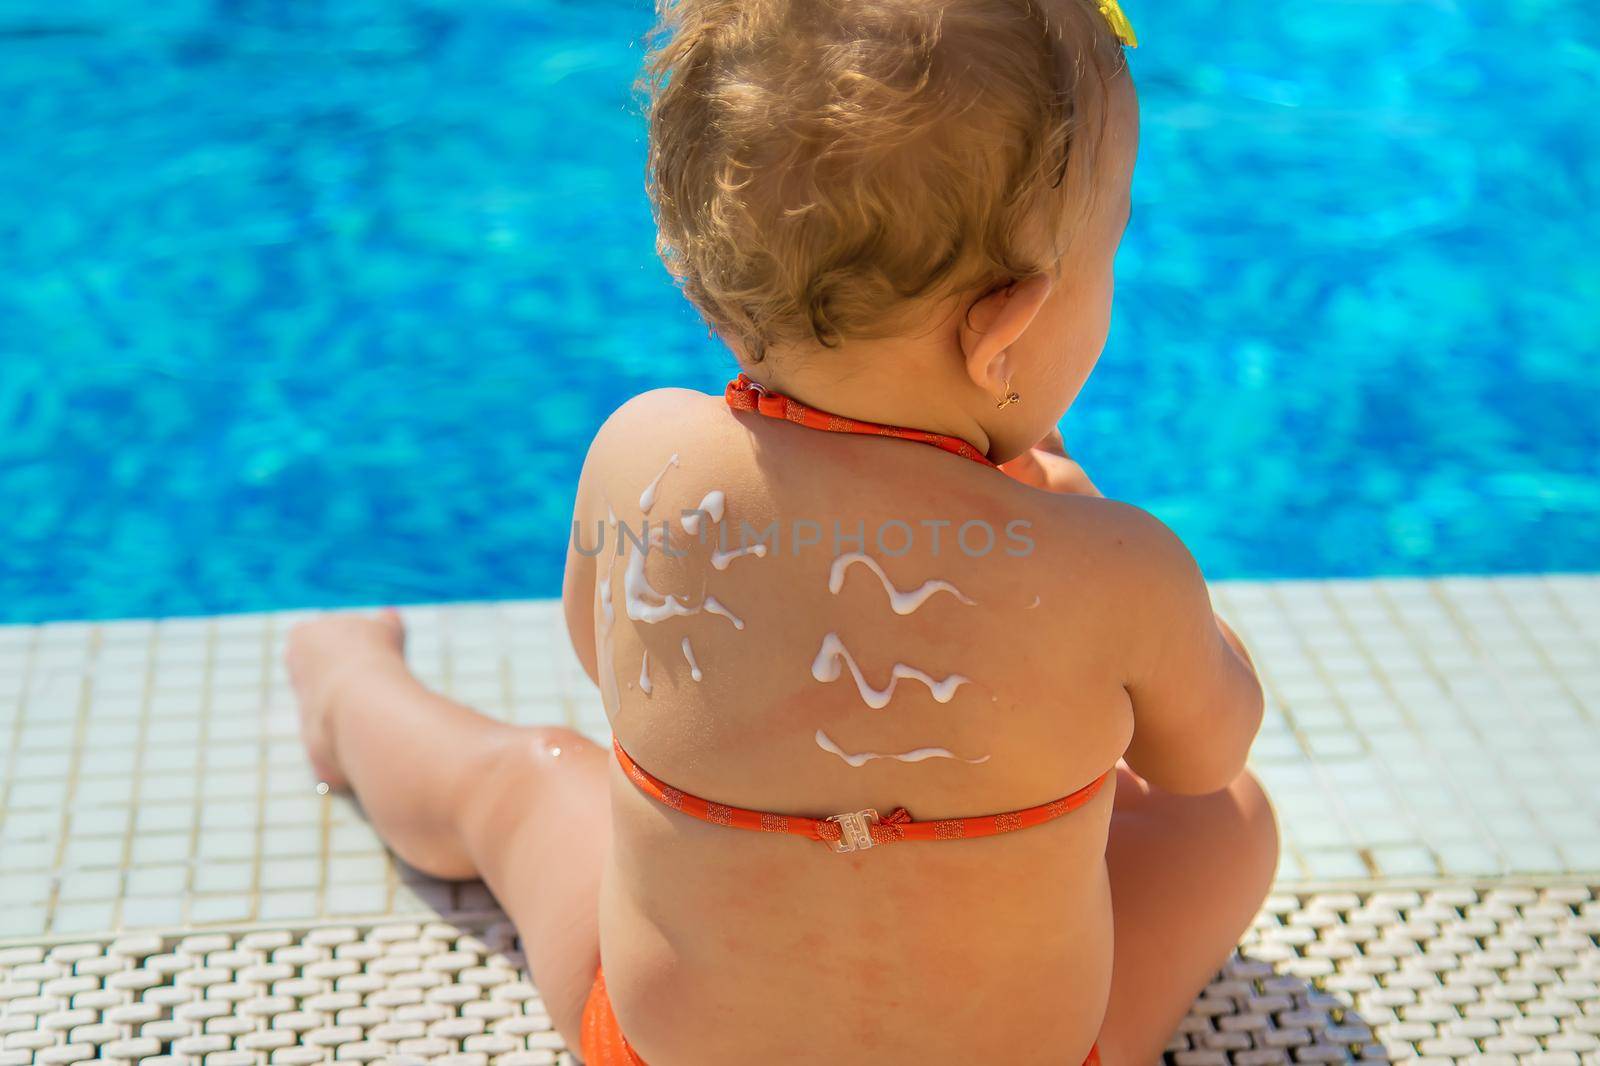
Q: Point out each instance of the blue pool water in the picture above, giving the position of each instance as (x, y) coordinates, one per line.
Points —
(318, 301)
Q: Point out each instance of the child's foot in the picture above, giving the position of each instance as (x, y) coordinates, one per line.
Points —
(323, 656)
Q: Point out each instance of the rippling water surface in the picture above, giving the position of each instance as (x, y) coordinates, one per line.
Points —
(319, 302)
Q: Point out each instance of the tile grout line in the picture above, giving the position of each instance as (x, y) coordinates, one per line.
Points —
(267, 630)
(14, 755)
(14, 758)
(74, 764)
(203, 734)
(136, 786)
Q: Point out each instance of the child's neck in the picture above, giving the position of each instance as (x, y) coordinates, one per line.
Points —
(912, 382)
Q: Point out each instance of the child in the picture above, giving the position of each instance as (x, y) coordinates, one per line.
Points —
(918, 758)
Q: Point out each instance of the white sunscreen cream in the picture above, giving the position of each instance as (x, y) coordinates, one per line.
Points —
(607, 611)
(688, 654)
(712, 505)
(647, 498)
(644, 674)
(861, 758)
(712, 605)
(833, 656)
(645, 604)
(903, 602)
(721, 559)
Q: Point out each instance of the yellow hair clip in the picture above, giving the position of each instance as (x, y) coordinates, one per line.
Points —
(1119, 23)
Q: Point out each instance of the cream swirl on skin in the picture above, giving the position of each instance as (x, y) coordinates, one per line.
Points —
(710, 506)
(900, 601)
(861, 758)
(647, 498)
(834, 656)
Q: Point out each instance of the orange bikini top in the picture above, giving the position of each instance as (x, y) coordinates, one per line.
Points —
(743, 394)
(853, 830)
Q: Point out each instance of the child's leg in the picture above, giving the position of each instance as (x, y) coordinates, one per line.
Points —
(457, 794)
(1188, 874)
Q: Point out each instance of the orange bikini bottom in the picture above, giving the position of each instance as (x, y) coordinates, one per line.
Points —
(603, 1044)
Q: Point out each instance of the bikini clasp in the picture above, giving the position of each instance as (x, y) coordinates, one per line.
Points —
(853, 832)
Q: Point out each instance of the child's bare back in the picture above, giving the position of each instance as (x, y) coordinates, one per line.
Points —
(1024, 618)
(901, 217)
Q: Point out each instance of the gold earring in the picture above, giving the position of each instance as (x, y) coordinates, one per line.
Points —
(1010, 397)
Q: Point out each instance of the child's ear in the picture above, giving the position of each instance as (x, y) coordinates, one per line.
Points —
(993, 323)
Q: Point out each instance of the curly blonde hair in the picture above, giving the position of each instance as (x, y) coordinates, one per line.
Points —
(815, 165)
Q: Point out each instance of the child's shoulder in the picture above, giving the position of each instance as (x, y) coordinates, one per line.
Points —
(1110, 534)
(660, 420)
(1119, 561)
(662, 409)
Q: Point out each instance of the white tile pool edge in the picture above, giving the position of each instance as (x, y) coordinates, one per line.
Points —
(1421, 731)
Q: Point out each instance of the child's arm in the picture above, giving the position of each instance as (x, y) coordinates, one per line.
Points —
(1197, 702)
(578, 581)
(1048, 466)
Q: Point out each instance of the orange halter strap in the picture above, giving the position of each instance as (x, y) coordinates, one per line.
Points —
(854, 830)
(743, 394)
